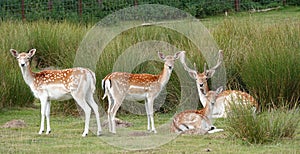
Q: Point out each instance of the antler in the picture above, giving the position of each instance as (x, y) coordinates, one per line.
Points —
(182, 60)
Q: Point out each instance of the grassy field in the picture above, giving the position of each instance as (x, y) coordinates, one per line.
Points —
(66, 138)
(276, 33)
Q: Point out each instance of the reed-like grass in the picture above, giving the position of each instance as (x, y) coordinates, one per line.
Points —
(262, 59)
(13, 91)
(268, 127)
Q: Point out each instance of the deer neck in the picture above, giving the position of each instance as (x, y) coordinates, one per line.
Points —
(202, 92)
(28, 75)
(208, 109)
(164, 76)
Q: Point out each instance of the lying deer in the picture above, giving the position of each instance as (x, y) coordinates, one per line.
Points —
(197, 121)
(226, 97)
(47, 85)
(121, 85)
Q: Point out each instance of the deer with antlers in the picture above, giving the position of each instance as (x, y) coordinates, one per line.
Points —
(229, 96)
(137, 87)
(77, 83)
(197, 121)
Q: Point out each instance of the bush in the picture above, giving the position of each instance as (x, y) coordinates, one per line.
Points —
(266, 127)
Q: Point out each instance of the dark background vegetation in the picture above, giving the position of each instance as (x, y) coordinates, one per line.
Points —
(94, 10)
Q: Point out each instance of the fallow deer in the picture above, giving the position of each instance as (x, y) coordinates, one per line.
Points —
(137, 87)
(197, 121)
(78, 83)
(229, 96)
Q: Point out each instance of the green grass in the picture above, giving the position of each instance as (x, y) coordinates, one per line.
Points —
(262, 128)
(66, 137)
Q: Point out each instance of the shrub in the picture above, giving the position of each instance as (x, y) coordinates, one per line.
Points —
(266, 127)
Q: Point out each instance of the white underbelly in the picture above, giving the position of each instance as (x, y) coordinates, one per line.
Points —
(57, 92)
(135, 97)
(137, 93)
(57, 95)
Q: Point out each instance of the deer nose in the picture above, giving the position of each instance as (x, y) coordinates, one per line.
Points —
(201, 84)
(22, 65)
(170, 67)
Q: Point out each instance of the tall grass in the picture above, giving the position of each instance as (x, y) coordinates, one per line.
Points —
(13, 91)
(263, 59)
(267, 127)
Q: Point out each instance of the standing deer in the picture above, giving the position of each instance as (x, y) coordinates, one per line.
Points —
(197, 121)
(47, 85)
(137, 87)
(223, 99)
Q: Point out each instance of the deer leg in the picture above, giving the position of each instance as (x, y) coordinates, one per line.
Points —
(87, 111)
(94, 106)
(43, 111)
(113, 112)
(150, 114)
(48, 105)
(108, 113)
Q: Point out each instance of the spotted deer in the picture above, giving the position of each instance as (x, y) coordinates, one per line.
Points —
(197, 121)
(226, 97)
(137, 87)
(77, 83)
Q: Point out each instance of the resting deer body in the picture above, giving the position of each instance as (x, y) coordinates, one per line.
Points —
(121, 85)
(225, 98)
(47, 85)
(197, 121)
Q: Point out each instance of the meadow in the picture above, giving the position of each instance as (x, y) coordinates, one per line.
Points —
(261, 55)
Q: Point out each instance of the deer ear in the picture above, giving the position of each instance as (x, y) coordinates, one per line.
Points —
(161, 55)
(176, 55)
(31, 52)
(219, 90)
(210, 73)
(193, 74)
(14, 52)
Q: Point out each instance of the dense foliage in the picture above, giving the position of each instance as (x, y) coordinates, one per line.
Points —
(272, 126)
(87, 10)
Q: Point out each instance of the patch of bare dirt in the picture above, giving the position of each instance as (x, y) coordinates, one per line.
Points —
(139, 134)
(16, 123)
(119, 123)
